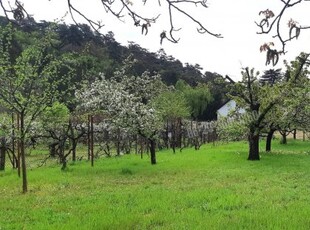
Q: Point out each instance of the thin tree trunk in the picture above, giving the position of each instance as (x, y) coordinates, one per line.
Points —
(74, 152)
(118, 142)
(88, 138)
(92, 140)
(2, 154)
(74, 145)
(62, 155)
(18, 147)
(269, 139)
(294, 134)
(167, 135)
(14, 161)
(73, 142)
(173, 135)
(22, 153)
(63, 160)
(179, 140)
(153, 151)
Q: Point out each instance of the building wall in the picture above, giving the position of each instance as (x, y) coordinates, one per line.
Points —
(228, 107)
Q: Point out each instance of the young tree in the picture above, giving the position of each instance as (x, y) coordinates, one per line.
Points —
(28, 84)
(57, 126)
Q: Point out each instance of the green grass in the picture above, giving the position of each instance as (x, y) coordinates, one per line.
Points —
(213, 188)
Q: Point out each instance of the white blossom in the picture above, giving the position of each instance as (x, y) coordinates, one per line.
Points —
(126, 99)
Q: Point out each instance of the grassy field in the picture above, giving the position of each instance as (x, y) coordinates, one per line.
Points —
(213, 188)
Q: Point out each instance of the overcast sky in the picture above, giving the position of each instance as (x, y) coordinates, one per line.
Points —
(233, 19)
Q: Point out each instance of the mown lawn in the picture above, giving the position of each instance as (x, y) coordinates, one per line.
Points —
(213, 188)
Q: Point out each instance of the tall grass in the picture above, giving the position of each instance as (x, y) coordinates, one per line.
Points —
(213, 188)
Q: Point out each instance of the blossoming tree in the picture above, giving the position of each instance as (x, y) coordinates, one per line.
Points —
(126, 101)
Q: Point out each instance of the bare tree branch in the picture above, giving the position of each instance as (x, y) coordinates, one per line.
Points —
(266, 26)
(94, 25)
(122, 9)
(201, 28)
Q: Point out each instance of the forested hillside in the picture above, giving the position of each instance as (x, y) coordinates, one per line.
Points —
(96, 54)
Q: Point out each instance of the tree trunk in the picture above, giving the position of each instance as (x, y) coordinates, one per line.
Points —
(89, 138)
(61, 154)
(52, 149)
(91, 145)
(118, 142)
(14, 158)
(73, 144)
(166, 136)
(178, 133)
(22, 153)
(173, 135)
(269, 139)
(152, 151)
(74, 152)
(283, 139)
(253, 139)
(63, 162)
(18, 148)
(294, 134)
(2, 154)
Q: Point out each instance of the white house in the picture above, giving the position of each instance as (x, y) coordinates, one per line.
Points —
(227, 108)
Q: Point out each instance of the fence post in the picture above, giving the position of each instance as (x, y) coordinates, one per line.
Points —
(91, 141)
(2, 154)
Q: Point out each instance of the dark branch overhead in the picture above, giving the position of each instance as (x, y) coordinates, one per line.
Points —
(229, 79)
(122, 9)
